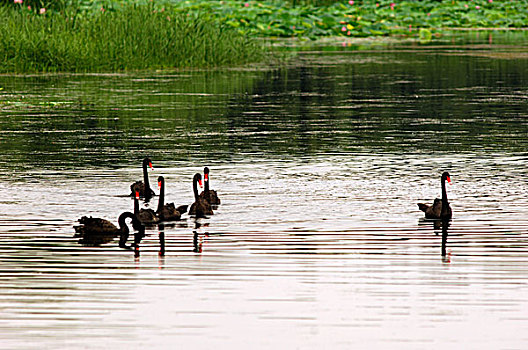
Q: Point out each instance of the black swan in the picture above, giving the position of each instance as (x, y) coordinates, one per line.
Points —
(209, 195)
(168, 212)
(200, 208)
(97, 231)
(145, 216)
(440, 208)
(143, 187)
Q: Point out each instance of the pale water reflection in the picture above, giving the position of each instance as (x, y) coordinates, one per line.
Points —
(318, 242)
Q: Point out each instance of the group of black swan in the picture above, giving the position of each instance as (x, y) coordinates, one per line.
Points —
(96, 230)
(202, 207)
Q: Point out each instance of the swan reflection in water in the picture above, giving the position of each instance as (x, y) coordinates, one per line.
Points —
(199, 239)
(161, 234)
(446, 256)
(438, 225)
(139, 235)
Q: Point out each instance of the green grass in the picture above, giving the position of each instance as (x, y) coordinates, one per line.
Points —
(114, 35)
(133, 37)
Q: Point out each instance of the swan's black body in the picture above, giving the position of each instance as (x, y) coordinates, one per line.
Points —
(96, 231)
(145, 216)
(200, 208)
(168, 212)
(440, 208)
(143, 187)
(209, 195)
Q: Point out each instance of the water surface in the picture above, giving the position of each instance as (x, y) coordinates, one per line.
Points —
(318, 242)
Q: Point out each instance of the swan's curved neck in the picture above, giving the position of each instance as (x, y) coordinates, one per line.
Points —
(206, 184)
(161, 201)
(136, 206)
(146, 179)
(444, 192)
(445, 202)
(123, 227)
(195, 188)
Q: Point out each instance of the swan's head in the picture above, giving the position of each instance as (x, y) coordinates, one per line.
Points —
(161, 180)
(445, 176)
(198, 178)
(206, 174)
(148, 162)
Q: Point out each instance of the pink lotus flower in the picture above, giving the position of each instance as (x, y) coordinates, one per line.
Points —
(348, 33)
(392, 6)
(466, 5)
(351, 2)
(477, 7)
(344, 29)
(490, 1)
(18, 1)
(246, 4)
(29, 8)
(42, 11)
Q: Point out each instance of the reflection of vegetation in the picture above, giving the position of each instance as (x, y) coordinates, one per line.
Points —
(135, 37)
(416, 99)
(399, 102)
(75, 119)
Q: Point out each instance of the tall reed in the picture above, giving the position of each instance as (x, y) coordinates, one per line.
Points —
(132, 37)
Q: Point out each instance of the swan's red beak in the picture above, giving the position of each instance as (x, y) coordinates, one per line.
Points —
(448, 179)
(206, 177)
(137, 194)
(159, 185)
(151, 167)
(200, 183)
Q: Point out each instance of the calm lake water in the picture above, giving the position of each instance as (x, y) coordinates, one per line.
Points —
(318, 242)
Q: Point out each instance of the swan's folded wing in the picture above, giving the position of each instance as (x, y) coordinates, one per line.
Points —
(182, 209)
(423, 207)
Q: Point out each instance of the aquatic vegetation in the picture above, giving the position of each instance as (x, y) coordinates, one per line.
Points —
(134, 37)
(114, 35)
(316, 18)
(307, 18)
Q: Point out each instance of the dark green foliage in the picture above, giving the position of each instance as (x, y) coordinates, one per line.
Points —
(133, 37)
(311, 18)
(107, 35)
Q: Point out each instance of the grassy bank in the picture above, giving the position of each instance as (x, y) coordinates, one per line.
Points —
(113, 35)
(133, 37)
